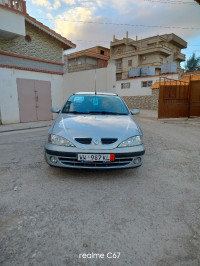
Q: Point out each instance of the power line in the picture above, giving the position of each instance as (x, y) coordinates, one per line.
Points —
(105, 41)
(88, 41)
(172, 2)
(122, 24)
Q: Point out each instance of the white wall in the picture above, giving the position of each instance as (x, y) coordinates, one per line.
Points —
(12, 22)
(62, 86)
(9, 107)
(85, 80)
(136, 88)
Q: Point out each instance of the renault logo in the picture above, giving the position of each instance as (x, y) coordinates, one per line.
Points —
(96, 141)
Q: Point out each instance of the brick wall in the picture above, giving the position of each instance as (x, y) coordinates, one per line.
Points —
(42, 45)
(143, 102)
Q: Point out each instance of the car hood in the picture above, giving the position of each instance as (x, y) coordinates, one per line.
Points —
(95, 126)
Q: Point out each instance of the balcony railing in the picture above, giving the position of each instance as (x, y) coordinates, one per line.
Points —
(82, 67)
(119, 53)
(15, 5)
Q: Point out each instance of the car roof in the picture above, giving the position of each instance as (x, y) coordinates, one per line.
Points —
(97, 93)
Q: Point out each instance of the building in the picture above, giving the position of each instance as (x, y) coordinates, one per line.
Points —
(31, 65)
(92, 58)
(153, 51)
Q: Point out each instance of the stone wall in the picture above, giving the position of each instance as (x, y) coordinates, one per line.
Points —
(41, 46)
(143, 102)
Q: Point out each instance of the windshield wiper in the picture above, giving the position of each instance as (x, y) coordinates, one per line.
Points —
(75, 112)
(106, 113)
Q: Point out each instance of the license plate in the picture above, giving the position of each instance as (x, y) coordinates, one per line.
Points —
(95, 157)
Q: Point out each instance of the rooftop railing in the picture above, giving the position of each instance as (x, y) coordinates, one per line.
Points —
(15, 5)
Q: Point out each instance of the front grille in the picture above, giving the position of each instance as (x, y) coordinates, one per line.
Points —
(108, 140)
(72, 161)
(89, 140)
(84, 140)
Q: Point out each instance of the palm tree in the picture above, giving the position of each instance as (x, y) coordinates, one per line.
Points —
(193, 63)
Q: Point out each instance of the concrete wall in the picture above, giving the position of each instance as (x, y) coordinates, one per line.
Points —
(91, 61)
(136, 88)
(9, 108)
(12, 22)
(41, 46)
(76, 61)
(85, 80)
(134, 62)
(27, 63)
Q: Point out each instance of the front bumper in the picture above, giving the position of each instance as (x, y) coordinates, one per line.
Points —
(68, 157)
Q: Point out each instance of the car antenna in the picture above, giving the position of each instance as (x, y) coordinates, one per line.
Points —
(95, 82)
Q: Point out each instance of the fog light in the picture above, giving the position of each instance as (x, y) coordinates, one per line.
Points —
(53, 159)
(137, 160)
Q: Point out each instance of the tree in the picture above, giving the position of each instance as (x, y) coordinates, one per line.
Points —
(193, 63)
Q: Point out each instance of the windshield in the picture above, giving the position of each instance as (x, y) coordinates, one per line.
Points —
(95, 104)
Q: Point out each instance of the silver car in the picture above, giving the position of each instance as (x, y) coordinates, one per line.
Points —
(94, 131)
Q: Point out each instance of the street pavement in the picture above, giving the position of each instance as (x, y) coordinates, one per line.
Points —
(139, 217)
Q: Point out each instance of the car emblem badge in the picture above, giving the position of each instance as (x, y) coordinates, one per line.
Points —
(96, 141)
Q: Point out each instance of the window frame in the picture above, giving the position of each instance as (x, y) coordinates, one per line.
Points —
(125, 85)
(146, 83)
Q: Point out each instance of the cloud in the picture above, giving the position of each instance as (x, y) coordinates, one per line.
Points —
(134, 16)
(49, 16)
(122, 6)
(44, 3)
(52, 5)
(69, 2)
(67, 24)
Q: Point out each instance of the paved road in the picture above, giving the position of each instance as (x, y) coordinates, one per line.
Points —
(144, 216)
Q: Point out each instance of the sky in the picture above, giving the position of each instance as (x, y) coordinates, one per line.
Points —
(91, 23)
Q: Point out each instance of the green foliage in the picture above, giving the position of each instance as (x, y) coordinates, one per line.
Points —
(193, 63)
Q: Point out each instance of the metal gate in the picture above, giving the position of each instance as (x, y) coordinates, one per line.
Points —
(34, 100)
(194, 98)
(178, 98)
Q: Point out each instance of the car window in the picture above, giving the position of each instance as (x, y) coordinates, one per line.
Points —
(95, 104)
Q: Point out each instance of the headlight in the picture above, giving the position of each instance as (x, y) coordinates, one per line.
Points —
(133, 141)
(57, 140)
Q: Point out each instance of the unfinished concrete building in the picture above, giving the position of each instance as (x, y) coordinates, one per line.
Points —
(95, 57)
(153, 51)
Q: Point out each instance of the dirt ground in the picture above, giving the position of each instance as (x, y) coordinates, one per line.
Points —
(144, 216)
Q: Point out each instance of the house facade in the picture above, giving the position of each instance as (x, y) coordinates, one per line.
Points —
(149, 52)
(31, 75)
(92, 58)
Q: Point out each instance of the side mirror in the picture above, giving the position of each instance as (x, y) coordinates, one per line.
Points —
(135, 111)
(55, 110)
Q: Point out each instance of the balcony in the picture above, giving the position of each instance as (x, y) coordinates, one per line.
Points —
(81, 67)
(12, 14)
(14, 5)
(179, 56)
(158, 48)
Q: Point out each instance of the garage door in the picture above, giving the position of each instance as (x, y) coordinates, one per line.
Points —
(34, 100)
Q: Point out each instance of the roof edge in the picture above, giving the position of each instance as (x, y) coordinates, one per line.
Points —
(67, 44)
